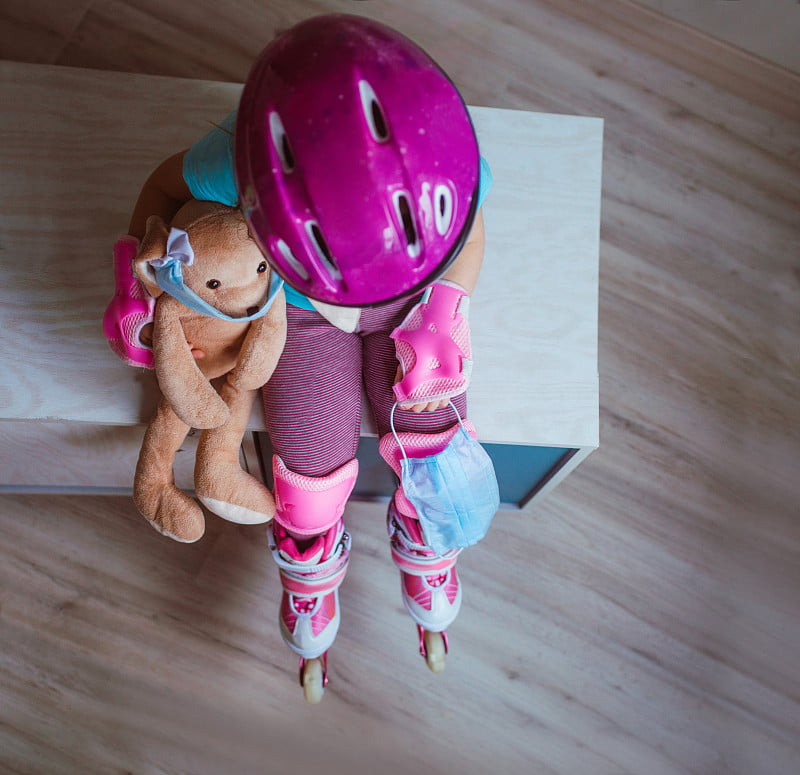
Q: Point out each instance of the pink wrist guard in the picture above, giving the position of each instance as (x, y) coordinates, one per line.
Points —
(130, 309)
(433, 346)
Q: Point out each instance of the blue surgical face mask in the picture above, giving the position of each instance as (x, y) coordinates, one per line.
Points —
(169, 276)
(454, 492)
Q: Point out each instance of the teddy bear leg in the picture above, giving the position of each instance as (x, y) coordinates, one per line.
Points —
(219, 480)
(169, 510)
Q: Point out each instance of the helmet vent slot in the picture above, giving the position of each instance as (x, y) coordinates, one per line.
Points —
(406, 218)
(373, 113)
(323, 251)
(286, 254)
(379, 122)
(443, 207)
(281, 142)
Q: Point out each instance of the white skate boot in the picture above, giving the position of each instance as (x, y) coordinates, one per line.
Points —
(312, 550)
(429, 583)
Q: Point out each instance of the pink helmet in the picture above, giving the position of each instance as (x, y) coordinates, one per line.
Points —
(356, 161)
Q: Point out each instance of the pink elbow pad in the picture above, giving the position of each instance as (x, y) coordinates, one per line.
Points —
(433, 346)
(130, 309)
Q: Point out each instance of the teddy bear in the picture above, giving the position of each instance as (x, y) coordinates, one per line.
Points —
(207, 260)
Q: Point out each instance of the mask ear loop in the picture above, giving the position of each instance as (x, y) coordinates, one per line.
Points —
(397, 438)
(394, 432)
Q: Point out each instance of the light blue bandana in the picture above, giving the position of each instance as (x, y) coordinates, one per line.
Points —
(169, 276)
(455, 491)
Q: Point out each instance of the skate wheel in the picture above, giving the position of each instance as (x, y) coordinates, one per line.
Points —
(312, 678)
(435, 650)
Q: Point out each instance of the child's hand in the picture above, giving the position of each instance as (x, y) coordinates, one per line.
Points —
(430, 406)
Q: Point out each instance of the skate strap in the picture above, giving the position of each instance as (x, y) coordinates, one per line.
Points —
(314, 576)
(309, 586)
(169, 276)
(419, 565)
(433, 346)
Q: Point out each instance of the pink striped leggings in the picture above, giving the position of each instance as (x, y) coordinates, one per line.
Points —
(312, 403)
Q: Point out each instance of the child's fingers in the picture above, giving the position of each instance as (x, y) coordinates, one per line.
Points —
(429, 406)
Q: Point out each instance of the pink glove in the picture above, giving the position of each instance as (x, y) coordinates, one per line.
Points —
(433, 346)
(130, 309)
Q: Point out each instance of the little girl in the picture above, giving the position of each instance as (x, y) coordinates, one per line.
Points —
(354, 160)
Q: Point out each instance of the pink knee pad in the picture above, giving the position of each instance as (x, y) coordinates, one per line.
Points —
(130, 310)
(418, 444)
(310, 505)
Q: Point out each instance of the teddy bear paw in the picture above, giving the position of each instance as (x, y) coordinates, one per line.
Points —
(172, 513)
(183, 536)
(235, 513)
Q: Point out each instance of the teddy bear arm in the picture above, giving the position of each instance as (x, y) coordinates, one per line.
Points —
(187, 389)
(261, 349)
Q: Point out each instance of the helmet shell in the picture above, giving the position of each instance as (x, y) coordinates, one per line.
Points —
(356, 161)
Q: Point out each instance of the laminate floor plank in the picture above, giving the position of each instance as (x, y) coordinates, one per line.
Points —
(643, 618)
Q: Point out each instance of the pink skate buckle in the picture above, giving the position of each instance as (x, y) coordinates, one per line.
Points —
(433, 347)
(130, 309)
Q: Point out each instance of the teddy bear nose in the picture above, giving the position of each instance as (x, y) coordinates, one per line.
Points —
(252, 310)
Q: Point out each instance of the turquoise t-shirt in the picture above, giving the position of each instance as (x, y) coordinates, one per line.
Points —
(208, 169)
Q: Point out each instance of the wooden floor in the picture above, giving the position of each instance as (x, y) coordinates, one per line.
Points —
(769, 30)
(644, 619)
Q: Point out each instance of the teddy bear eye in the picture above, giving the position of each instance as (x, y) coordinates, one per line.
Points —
(262, 267)
(213, 284)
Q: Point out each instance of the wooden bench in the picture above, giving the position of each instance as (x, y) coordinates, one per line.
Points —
(76, 145)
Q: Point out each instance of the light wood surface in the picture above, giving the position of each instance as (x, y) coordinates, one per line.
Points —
(534, 316)
(644, 618)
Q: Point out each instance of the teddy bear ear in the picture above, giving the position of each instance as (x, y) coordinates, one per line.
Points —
(153, 245)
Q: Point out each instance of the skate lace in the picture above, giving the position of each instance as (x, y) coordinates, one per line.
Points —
(398, 534)
(438, 580)
(304, 605)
